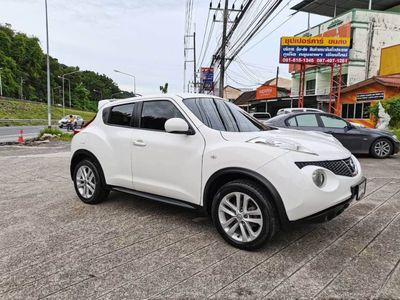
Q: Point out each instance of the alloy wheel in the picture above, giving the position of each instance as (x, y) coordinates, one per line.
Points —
(382, 148)
(240, 217)
(86, 182)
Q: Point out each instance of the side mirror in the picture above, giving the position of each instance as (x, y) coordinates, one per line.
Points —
(177, 125)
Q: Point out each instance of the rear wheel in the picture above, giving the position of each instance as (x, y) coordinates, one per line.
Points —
(381, 148)
(88, 184)
(243, 215)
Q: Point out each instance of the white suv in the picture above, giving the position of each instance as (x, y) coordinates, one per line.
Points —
(200, 151)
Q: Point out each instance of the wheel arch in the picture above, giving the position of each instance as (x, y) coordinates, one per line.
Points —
(81, 154)
(226, 175)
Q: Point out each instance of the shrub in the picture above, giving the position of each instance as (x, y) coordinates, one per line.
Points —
(392, 107)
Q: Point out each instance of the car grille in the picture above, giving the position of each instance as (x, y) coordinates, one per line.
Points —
(342, 167)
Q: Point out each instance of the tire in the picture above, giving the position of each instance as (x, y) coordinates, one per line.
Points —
(92, 190)
(381, 148)
(263, 224)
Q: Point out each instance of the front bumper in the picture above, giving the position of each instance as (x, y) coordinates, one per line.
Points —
(301, 198)
(396, 148)
(332, 212)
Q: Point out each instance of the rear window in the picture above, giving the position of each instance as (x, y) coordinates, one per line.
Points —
(121, 115)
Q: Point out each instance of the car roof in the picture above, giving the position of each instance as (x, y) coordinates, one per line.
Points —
(179, 96)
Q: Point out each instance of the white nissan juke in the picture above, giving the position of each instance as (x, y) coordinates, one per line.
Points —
(199, 151)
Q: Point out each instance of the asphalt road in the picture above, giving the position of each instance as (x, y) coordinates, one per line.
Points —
(53, 246)
(10, 134)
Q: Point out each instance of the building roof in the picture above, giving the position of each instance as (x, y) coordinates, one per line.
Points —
(388, 80)
(327, 7)
(245, 97)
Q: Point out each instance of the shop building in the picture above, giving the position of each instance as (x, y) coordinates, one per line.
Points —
(357, 98)
(370, 31)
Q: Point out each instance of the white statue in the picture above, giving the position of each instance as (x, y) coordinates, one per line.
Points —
(384, 118)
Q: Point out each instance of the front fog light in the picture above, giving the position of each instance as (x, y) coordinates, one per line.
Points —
(318, 176)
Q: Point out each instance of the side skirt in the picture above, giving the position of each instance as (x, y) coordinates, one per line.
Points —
(157, 198)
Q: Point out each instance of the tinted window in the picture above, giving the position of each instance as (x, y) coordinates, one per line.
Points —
(243, 121)
(292, 122)
(206, 111)
(121, 115)
(358, 111)
(332, 122)
(156, 113)
(222, 115)
(307, 121)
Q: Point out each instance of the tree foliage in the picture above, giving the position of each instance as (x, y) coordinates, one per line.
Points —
(21, 57)
(392, 107)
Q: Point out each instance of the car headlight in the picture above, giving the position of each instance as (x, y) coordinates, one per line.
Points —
(283, 144)
(318, 176)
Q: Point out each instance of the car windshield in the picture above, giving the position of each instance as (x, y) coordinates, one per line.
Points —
(223, 116)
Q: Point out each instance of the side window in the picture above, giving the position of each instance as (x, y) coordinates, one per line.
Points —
(156, 113)
(307, 121)
(206, 111)
(121, 115)
(333, 122)
(292, 122)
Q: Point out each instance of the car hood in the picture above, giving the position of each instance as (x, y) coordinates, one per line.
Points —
(375, 131)
(319, 143)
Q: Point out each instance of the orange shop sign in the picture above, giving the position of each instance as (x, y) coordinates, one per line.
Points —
(266, 92)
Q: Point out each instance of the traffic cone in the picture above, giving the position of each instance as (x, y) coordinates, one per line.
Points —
(20, 137)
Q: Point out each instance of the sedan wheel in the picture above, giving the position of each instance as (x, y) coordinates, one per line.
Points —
(381, 148)
(240, 217)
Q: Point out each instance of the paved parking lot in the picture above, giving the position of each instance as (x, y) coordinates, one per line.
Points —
(54, 246)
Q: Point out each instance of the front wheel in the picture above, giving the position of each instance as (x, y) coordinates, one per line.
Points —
(88, 184)
(243, 215)
(381, 148)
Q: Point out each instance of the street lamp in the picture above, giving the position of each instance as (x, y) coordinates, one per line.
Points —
(22, 91)
(48, 69)
(130, 75)
(63, 78)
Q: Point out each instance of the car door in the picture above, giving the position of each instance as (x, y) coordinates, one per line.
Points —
(308, 122)
(349, 136)
(118, 129)
(166, 164)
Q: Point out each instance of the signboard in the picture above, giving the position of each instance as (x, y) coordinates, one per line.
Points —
(370, 96)
(314, 50)
(207, 78)
(266, 92)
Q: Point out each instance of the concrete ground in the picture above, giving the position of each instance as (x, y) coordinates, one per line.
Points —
(55, 247)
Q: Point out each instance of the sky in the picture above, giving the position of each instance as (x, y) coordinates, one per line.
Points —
(144, 38)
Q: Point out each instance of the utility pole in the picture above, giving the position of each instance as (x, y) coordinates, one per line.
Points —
(370, 5)
(21, 94)
(1, 85)
(193, 36)
(48, 70)
(223, 50)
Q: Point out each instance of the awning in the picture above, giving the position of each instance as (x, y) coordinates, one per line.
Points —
(327, 7)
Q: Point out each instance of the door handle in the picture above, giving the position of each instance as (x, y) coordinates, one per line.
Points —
(139, 143)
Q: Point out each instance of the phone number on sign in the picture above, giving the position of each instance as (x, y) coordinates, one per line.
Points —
(314, 60)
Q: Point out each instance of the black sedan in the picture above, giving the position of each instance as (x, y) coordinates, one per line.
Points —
(378, 143)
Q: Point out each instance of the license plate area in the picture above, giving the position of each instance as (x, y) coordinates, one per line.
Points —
(360, 189)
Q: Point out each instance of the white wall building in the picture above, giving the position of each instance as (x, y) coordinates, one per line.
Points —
(369, 30)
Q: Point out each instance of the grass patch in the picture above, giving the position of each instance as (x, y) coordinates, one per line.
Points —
(62, 136)
(397, 133)
(16, 109)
